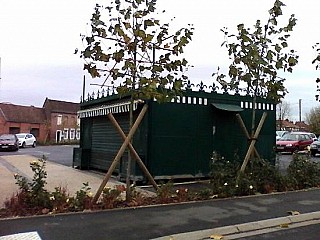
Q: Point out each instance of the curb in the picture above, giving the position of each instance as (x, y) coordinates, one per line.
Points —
(244, 227)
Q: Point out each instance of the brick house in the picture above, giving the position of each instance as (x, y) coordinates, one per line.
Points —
(24, 119)
(61, 120)
(56, 121)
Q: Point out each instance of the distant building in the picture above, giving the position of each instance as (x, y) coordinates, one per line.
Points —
(16, 118)
(56, 121)
(303, 126)
(287, 125)
(61, 119)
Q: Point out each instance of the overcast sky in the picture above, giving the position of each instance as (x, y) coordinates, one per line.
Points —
(38, 39)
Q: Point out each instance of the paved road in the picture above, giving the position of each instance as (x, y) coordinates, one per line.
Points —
(62, 154)
(152, 222)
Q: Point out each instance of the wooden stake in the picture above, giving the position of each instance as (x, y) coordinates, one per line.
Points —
(245, 131)
(252, 143)
(133, 151)
(120, 153)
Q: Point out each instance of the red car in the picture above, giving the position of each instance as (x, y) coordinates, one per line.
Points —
(9, 142)
(294, 141)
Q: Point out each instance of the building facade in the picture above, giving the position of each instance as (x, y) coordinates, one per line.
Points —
(22, 119)
(175, 139)
(55, 122)
(61, 119)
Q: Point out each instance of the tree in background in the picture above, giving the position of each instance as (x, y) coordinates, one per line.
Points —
(283, 111)
(313, 119)
(316, 62)
(257, 55)
(130, 50)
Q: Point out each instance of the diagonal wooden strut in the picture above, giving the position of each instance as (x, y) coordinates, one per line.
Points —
(133, 151)
(120, 153)
(253, 142)
(245, 131)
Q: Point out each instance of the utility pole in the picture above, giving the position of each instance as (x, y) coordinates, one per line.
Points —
(300, 110)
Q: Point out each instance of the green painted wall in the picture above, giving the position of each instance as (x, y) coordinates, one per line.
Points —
(177, 139)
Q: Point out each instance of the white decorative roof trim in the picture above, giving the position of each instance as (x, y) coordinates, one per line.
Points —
(109, 108)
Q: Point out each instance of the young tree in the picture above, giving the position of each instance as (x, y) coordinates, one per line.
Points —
(130, 50)
(257, 55)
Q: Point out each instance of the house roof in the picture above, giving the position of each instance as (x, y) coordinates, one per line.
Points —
(302, 125)
(287, 124)
(18, 113)
(61, 106)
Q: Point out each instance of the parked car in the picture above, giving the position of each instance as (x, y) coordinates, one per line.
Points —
(9, 142)
(313, 136)
(294, 141)
(315, 147)
(280, 134)
(26, 139)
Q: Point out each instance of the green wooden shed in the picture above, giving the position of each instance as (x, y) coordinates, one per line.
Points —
(175, 139)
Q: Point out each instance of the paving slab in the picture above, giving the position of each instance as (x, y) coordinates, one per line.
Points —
(57, 176)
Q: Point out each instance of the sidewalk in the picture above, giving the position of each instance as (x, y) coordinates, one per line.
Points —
(249, 229)
(57, 176)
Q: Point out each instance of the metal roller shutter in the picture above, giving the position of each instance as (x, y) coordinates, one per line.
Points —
(106, 141)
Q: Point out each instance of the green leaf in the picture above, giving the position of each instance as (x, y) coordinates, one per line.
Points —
(127, 25)
(148, 23)
(270, 55)
(277, 48)
(292, 61)
(148, 38)
(279, 64)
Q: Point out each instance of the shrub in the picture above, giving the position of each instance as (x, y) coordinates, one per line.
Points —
(111, 196)
(82, 199)
(165, 192)
(32, 196)
(303, 173)
(260, 176)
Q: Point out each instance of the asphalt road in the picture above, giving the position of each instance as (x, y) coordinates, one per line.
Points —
(151, 222)
(62, 154)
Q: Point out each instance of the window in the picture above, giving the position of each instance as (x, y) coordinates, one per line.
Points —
(14, 130)
(72, 133)
(59, 119)
(78, 121)
(65, 120)
(78, 134)
(66, 134)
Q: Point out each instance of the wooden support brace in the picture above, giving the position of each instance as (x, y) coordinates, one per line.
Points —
(133, 151)
(243, 127)
(120, 153)
(253, 141)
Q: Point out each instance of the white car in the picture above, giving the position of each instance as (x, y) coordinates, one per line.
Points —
(26, 139)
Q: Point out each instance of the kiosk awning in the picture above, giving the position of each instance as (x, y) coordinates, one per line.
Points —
(109, 108)
(227, 107)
